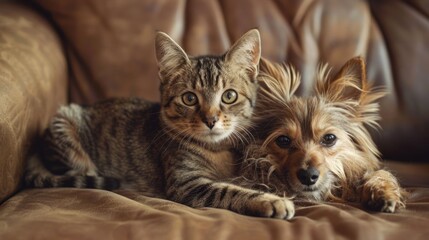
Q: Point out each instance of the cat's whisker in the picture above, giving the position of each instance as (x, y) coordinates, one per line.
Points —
(243, 135)
(232, 139)
(247, 134)
(163, 133)
(171, 135)
(236, 139)
(187, 136)
(182, 134)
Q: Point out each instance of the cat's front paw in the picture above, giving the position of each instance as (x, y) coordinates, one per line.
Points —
(271, 206)
(382, 193)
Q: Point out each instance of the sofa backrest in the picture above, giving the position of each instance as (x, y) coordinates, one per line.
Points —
(110, 47)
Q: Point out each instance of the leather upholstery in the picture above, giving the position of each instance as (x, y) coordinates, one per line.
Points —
(33, 84)
(111, 48)
(91, 214)
(109, 51)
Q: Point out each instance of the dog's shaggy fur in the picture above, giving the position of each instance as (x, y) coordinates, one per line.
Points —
(318, 147)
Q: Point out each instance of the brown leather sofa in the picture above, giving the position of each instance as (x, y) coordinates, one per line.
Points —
(54, 52)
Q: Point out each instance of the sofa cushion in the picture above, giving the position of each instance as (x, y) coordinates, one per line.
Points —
(96, 214)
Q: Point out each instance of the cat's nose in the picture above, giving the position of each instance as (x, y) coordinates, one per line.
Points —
(308, 176)
(210, 121)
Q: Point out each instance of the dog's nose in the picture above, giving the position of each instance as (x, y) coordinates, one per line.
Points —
(308, 176)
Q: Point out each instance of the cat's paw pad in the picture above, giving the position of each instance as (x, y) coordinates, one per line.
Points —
(271, 206)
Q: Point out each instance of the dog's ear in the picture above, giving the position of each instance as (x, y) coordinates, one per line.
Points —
(350, 88)
(349, 84)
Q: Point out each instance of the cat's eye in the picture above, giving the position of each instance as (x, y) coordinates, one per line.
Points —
(329, 140)
(189, 99)
(283, 141)
(229, 96)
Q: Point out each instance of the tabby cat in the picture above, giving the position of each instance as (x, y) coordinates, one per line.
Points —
(185, 149)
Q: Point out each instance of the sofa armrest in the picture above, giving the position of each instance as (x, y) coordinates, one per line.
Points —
(33, 84)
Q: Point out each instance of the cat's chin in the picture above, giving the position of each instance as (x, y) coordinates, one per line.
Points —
(213, 136)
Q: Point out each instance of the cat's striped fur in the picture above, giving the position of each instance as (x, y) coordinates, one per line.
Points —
(101, 146)
(186, 148)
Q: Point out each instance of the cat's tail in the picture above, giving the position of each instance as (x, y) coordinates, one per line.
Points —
(37, 176)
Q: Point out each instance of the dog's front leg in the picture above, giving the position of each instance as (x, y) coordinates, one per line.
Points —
(380, 191)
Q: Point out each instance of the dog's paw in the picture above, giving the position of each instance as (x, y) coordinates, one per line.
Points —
(389, 206)
(381, 192)
(270, 206)
(382, 205)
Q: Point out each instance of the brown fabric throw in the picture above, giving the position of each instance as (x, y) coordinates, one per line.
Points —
(96, 214)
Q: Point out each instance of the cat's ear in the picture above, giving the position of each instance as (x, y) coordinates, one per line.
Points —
(349, 84)
(246, 52)
(170, 56)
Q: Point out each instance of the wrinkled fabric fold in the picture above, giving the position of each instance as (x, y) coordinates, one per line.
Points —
(98, 214)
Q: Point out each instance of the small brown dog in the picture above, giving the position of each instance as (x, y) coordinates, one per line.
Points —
(318, 147)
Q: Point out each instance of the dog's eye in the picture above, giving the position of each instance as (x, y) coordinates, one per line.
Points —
(283, 141)
(329, 140)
